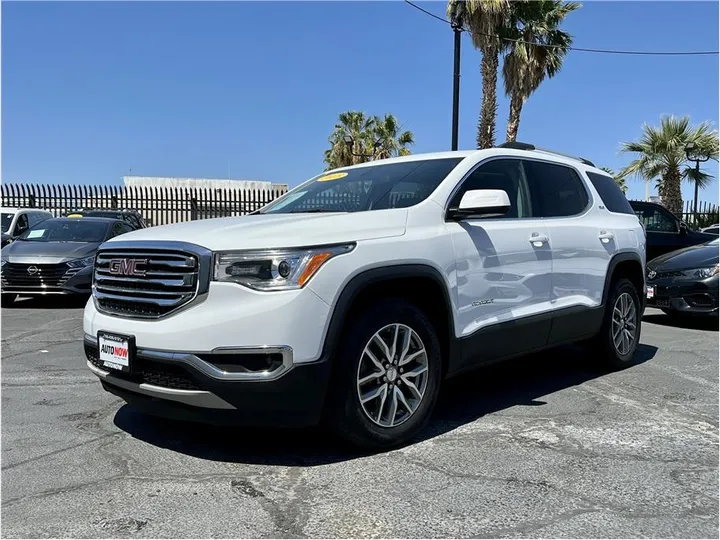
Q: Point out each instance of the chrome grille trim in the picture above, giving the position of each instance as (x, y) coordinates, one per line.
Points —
(177, 275)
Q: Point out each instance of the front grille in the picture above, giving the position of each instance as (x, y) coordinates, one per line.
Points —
(143, 283)
(149, 372)
(35, 276)
(663, 275)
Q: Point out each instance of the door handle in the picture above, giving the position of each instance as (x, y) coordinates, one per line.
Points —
(537, 239)
(605, 237)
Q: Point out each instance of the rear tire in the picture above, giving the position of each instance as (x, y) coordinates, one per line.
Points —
(397, 401)
(619, 337)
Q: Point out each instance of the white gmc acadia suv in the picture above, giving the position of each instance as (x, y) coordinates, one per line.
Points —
(350, 299)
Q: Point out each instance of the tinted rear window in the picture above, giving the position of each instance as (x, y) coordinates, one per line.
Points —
(611, 194)
(556, 190)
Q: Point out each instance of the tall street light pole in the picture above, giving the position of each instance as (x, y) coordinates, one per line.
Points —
(457, 30)
(693, 155)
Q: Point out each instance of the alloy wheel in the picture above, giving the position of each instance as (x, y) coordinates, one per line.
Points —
(392, 375)
(624, 324)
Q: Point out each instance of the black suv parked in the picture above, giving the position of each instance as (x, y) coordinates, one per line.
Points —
(665, 232)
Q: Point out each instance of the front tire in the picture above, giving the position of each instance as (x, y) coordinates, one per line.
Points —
(620, 334)
(387, 376)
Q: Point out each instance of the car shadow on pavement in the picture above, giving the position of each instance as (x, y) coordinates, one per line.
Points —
(690, 323)
(522, 382)
(47, 302)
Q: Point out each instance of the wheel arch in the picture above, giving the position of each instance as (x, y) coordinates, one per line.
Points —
(420, 284)
(625, 265)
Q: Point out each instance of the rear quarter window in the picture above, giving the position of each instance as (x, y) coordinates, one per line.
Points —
(611, 194)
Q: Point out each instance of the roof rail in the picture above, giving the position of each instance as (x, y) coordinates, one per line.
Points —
(526, 146)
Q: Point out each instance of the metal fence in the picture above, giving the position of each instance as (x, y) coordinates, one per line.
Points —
(707, 214)
(166, 205)
(158, 205)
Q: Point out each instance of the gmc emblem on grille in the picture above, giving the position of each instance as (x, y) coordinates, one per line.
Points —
(127, 267)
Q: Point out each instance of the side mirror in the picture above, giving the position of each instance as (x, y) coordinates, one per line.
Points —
(683, 227)
(481, 203)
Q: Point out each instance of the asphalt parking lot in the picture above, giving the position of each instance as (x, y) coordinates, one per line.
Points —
(545, 446)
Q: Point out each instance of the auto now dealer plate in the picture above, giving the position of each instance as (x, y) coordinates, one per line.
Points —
(115, 351)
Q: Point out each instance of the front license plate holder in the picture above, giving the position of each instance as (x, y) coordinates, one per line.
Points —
(662, 302)
(116, 352)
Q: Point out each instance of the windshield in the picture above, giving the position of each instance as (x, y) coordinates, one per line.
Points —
(66, 231)
(376, 187)
(6, 221)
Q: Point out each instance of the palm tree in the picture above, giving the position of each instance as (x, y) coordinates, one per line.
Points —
(373, 138)
(487, 21)
(619, 180)
(393, 143)
(661, 153)
(359, 127)
(537, 52)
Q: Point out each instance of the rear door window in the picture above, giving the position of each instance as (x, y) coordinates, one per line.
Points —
(556, 190)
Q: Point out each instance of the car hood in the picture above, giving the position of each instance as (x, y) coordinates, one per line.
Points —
(24, 252)
(699, 256)
(266, 231)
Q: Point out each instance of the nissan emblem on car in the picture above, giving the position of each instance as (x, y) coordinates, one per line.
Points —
(127, 267)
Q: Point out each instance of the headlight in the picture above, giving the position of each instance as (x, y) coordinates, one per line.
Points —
(703, 273)
(274, 270)
(82, 263)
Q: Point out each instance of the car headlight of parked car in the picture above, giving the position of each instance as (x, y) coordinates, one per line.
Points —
(703, 273)
(81, 263)
(274, 270)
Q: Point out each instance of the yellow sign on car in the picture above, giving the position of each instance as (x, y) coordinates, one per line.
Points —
(334, 176)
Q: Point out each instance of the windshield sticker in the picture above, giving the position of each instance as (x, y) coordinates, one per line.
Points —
(36, 233)
(334, 176)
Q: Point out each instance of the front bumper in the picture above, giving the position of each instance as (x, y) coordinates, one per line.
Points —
(194, 387)
(684, 296)
(228, 316)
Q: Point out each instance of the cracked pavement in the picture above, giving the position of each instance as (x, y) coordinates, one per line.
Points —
(544, 446)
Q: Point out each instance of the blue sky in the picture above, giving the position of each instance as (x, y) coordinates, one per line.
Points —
(251, 90)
